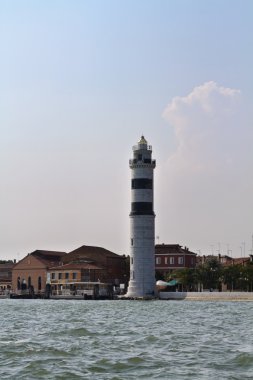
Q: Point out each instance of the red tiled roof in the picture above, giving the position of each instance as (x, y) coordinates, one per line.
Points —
(39, 252)
(92, 249)
(172, 249)
(93, 253)
(237, 261)
(48, 258)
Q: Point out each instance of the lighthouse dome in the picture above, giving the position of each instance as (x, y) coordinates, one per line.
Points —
(143, 141)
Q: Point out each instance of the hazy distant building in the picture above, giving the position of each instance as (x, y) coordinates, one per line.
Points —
(5, 275)
(142, 222)
(225, 260)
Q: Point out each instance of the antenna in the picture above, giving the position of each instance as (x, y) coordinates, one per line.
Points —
(251, 250)
(229, 250)
(243, 246)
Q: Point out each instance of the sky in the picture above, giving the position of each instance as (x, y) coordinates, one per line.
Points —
(81, 81)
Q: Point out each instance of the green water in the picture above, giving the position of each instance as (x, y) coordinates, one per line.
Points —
(46, 339)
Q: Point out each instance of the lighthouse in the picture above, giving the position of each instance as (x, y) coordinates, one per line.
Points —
(142, 222)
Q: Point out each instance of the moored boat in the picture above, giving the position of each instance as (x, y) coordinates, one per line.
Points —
(82, 290)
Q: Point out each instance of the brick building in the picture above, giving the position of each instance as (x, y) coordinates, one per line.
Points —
(115, 267)
(32, 272)
(86, 263)
(170, 257)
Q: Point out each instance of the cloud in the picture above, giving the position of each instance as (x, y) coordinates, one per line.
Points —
(204, 122)
(206, 184)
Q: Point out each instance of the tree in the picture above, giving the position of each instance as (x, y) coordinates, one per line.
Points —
(249, 274)
(187, 277)
(159, 275)
(210, 273)
(231, 275)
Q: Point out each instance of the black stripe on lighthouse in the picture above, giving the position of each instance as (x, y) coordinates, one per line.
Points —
(142, 183)
(142, 208)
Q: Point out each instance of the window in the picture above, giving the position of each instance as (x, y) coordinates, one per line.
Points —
(23, 284)
(180, 260)
(39, 283)
(74, 275)
(66, 275)
(158, 260)
(171, 260)
(132, 242)
(52, 276)
(29, 282)
(166, 260)
(59, 276)
(18, 283)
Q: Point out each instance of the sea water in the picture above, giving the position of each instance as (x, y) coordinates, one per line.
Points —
(116, 340)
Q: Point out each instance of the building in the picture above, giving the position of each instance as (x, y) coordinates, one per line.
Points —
(72, 278)
(6, 276)
(114, 268)
(171, 257)
(225, 260)
(85, 264)
(142, 222)
(76, 272)
(31, 274)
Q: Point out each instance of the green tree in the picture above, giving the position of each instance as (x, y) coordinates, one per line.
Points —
(210, 273)
(231, 275)
(187, 277)
(159, 275)
(249, 274)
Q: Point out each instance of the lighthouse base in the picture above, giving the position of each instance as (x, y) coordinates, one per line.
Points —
(135, 290)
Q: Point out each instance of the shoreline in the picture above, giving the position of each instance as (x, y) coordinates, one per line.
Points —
(207, 296)
(169, 296)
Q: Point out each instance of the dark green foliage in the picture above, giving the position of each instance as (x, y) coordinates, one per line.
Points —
(187, 277)
(211, 275)
(238, 277)
(159, 276)
(6, 262)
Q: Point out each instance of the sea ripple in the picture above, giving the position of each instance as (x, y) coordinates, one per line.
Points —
(121, 340)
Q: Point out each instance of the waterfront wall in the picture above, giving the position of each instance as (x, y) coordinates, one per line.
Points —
(207, 296)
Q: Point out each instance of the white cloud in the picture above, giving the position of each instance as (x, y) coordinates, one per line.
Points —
(206, 184)
(204, 122)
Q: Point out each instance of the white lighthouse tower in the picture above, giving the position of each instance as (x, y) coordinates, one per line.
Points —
(142, 222)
